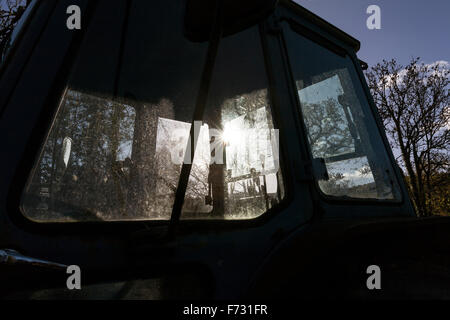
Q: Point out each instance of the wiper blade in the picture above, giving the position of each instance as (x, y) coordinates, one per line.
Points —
(200, 106)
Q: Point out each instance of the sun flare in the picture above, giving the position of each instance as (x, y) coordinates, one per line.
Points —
(231, 134)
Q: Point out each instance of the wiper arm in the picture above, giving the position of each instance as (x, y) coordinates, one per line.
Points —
(199, 110)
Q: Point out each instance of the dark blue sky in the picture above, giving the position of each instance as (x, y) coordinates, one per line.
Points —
(410, 28)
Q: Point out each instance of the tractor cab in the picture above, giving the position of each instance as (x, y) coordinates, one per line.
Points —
(192, 149)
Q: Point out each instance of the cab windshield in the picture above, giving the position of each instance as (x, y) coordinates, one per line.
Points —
(118, 140)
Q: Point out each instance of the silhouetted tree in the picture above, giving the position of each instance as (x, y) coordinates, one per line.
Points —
(10, 13)
(413, 102)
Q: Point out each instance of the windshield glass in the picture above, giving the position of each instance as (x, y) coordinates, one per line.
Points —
(340, 126)
(120, 135)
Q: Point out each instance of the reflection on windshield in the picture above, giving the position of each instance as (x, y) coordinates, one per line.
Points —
(248, 139)
(333, 135)
(105, 159)
(247, 172)
(129, 127)
(341, 130)
(328, 128)
(171, 143)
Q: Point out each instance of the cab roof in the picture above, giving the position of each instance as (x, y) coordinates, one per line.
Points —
(323, 24)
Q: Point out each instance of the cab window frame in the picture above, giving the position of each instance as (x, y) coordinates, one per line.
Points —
(42, 125)
(328, 42)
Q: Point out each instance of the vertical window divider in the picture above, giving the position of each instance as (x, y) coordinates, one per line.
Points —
(213, 46)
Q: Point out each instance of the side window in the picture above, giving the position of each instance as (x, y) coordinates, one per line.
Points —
(341, 129)
(119, 136)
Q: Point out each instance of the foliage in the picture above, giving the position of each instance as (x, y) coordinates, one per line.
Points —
(413, 102)
(10, 13)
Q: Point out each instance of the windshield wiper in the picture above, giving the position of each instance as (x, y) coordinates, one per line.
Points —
(213, 46)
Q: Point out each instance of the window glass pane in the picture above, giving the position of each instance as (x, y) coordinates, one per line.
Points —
(340, 127)
(239, 171)
(134, 82)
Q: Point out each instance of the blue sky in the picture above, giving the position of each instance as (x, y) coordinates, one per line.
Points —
(409, 28)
